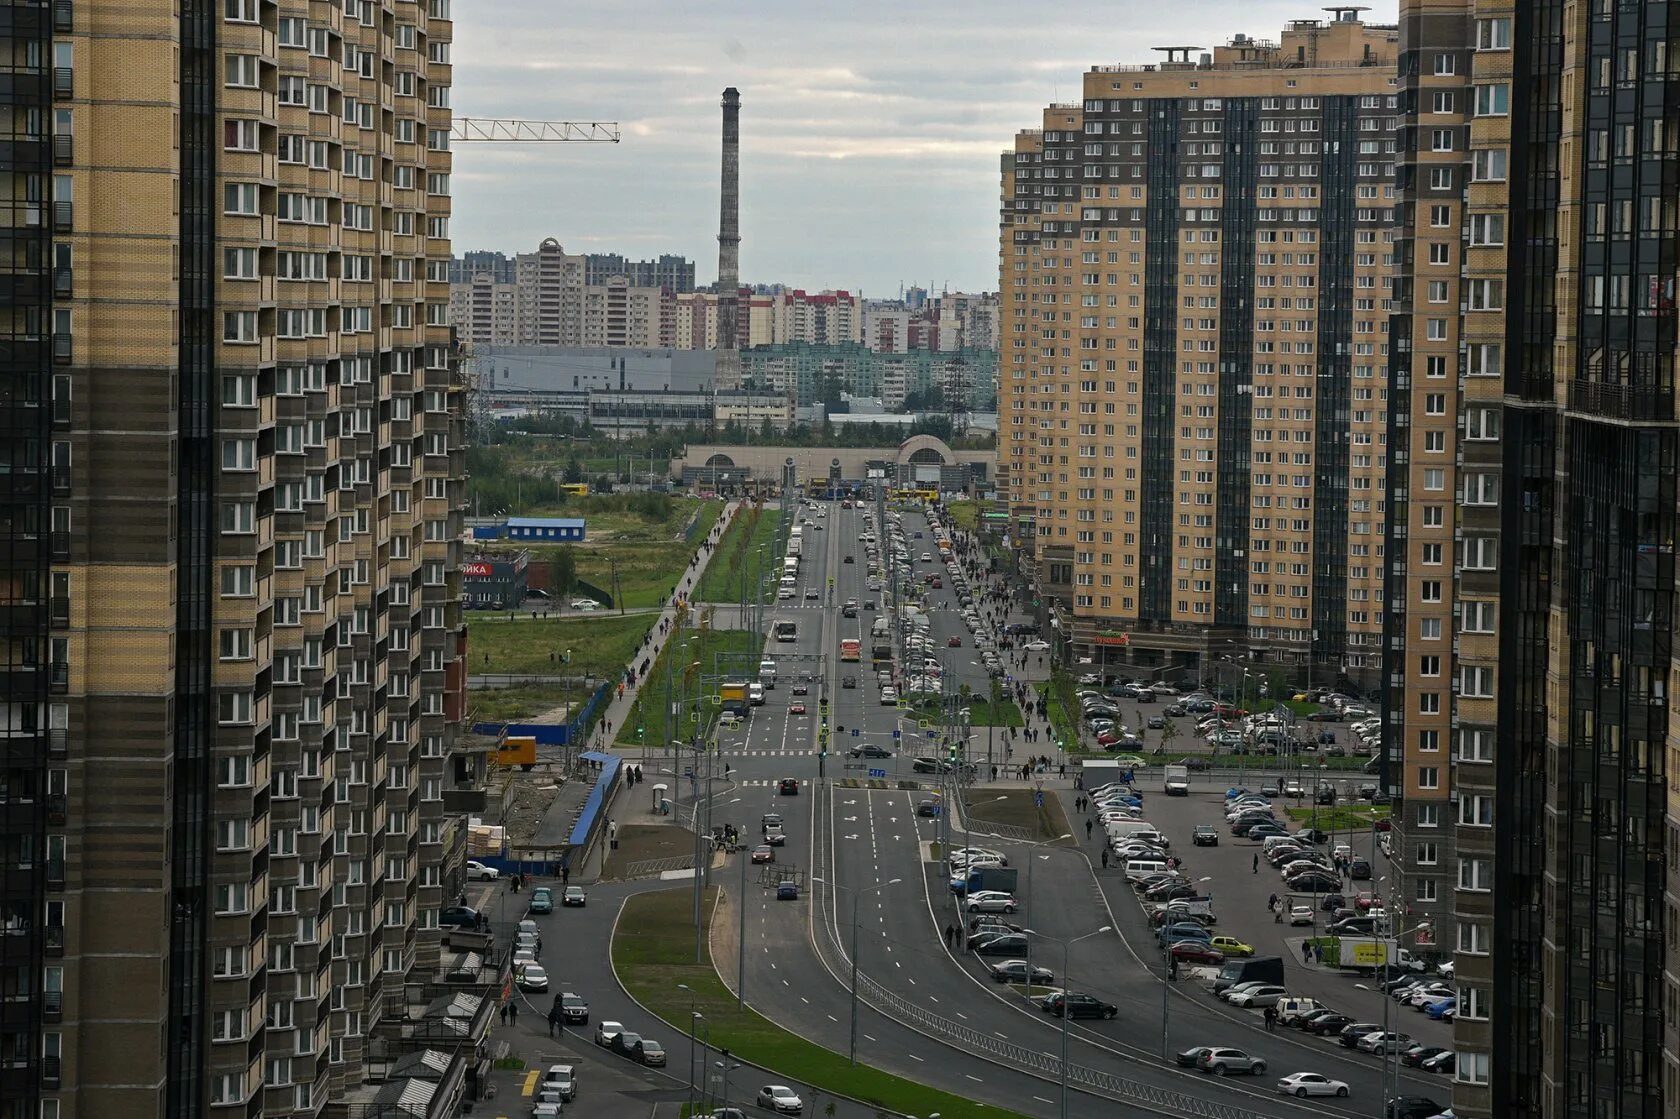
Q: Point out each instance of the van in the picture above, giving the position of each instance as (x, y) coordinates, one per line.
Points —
(1260, 969)
(755, 694)
(790, 581)
(1290, 1008)
(1151, 836)
(1139, 869)
(1130, 827)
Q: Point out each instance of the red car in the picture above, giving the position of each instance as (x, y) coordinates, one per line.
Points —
(1107, 738)
(953, 642)
(1195, 952)
(1365, 900)
(797, 709)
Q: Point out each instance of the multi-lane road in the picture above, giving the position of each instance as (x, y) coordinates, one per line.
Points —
(931, 1012)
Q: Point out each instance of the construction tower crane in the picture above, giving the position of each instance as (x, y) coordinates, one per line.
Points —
(534, 131)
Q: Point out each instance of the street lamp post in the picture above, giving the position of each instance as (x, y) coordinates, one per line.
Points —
(1067, 990)
(857, 894)
(694, 1017)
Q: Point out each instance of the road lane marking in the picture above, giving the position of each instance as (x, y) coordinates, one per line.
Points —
(1041, 1099)
(866, 1037)
(530, 1082)
(832, 1018)
(913, 1057)
(972, 1077)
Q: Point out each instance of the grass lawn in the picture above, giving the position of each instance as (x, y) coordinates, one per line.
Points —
(601, 646)
(640, 842)
(649, 712)
(1063, 709)
(524, 703)
(754, 527)
(1341, 817)
(982, 712)
(964, 514)
(1014, 808)
(653, 951)
(647, 573)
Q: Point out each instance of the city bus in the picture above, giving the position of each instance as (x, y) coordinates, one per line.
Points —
(575, 489)
(851, 649)
(786, 630)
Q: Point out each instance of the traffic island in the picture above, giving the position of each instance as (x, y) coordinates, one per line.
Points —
(645, 850)
(653, 951)
(1017, 810)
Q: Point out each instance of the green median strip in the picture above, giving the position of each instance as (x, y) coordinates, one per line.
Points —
(653, 951)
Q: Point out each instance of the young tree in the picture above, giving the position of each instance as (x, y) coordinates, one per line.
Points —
(562, 572)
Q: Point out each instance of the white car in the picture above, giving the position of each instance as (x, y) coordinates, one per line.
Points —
(1262, 995)
(1305, 1084)
(477, 870)
(991, 901)
(889, 696)
(1301, 915)
(532, 977)
(1037, 646)
(780, 1099)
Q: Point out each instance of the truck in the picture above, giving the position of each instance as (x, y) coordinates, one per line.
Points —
(1177, 780)
(1262, 969)
(985, 878)
(734, 696)
(1365, 954)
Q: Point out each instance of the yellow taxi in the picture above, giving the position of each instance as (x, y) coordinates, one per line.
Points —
(1231, 946)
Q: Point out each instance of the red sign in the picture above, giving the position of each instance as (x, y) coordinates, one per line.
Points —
(475, 569)
(1111, 639)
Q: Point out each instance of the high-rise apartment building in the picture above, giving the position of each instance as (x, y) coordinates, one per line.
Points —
(1532, 675)
(234, 455)
(667, 271)
(484, 310)
(550, 286)
(616, 313)
(1194, 283)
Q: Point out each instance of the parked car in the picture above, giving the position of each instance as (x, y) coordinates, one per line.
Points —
(1015, 971)
(1222, 1062)
(1078, 1006)
(1195, 952)
(1190, 1058)
(1305, 1084)
(650, 1053)
(477, 871)
(1259, 996)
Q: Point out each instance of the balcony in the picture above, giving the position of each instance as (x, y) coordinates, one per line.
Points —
(64, 16)
(64, 82)
(1635, 403)
(63, 216)
(61, 347)
(58, 678)
(58, 743)
(63, 149)
(58, 809)
(55, 940)
(52, 1006)
(50, 1071)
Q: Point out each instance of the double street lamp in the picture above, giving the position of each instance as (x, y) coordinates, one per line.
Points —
(1067, 993)
(857, 894)
(696, 1021)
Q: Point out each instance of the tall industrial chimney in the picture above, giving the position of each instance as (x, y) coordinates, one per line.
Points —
(729, 245)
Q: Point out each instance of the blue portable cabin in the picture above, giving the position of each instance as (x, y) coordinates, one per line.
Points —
(550, 530)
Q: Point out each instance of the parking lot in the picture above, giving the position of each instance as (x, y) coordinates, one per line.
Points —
(1240, 892)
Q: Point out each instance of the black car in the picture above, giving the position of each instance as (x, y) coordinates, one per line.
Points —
(980, 921)
(1351, 1034)
(573, 1008)
(871, 752)
(1310, 883)
(1412, 1107)
(1330, 1024)
(1190, 1058)
(460, 916)
(1359, 868)
(1000, 944)
(626, 1044)
(788, 787)
(1078, 1006)
(1205, 835)
(929, 808)
(802, 689)
(1416, 1057)
(848, 681)
(848, 559)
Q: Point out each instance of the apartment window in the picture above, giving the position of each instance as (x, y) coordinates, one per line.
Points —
(238, 581)
(238, 517)
(240, 198)
(241, 135)
(1429, 777)
(1493, 100)
(1485, 359)
(1476, 617)
(1426, 890)
(233, 835)
(239, 264)
(1475, 875)
(239, 454)
(1440, 178)
(1441, 140)
(232, 898)
(239, 11)
(235, 644)
(1471, 1068)
(1475, 811)
(1429, 590)
(1425, 854)
(239, 328)
(1493, 34)
(1487, 295)
(1488, 165)
(241, 70)
(1429, 629)
(239, 390)
(235, 708)
(1476, 682)
(1429, 815)
(228, 1025)
(1445, 64)
(1481, 553)
(1487, 229)
(1435, 478)
(1481, 488)
(1429, 703)
(227, 1087)
(1474, 939)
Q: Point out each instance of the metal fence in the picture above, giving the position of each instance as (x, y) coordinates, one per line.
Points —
(645, 868)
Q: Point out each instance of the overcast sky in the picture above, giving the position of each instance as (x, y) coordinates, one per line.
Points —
(870, 132)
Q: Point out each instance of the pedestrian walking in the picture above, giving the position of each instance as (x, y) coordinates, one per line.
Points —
(1306, 954)
(1271, 1019)
(505, 1013)
(1087, 829)
(1271, 904)
(1256, 862)
(513, 1013)
(950, 935)
(565, 874)
(1105, 858)
(554, 1020)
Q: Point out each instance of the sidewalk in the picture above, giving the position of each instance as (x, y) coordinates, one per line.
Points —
(613, 713)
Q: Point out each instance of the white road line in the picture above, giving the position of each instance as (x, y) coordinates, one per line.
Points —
(972, 1077)
(866, 1037)
(913, 1057)
(961, 1015)
(1041, 1099)
(832, 1018)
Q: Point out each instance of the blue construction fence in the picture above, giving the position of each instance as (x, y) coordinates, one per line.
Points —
(554, 734)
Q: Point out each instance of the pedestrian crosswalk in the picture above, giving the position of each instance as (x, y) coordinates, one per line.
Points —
(801, 753)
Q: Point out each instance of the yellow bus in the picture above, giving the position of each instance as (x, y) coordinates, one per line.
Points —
(575, 489)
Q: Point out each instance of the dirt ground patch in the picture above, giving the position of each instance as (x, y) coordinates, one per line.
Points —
(1015, 808)
(640, 842)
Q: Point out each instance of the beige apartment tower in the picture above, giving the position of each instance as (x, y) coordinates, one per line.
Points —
(230, 522)
(1193, 387)
(1533, 711)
